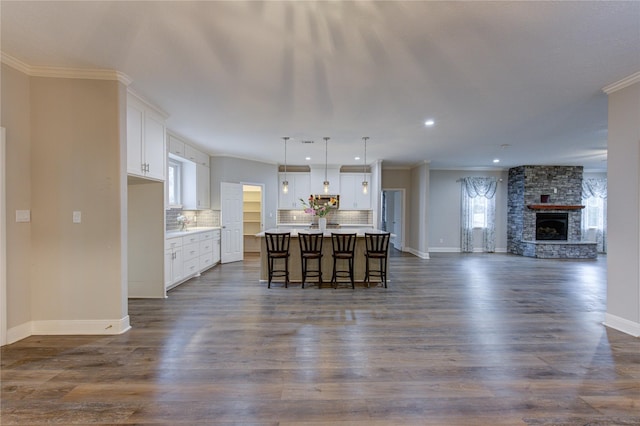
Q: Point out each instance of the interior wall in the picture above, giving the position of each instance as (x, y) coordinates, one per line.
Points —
(623, 210)
(16, 120)
(444, 209)
(76, 166)
(238, 170)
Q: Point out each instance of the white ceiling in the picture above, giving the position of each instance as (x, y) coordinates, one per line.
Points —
(237, 76)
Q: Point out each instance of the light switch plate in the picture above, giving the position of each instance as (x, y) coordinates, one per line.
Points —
(23, 215)
(77, 217)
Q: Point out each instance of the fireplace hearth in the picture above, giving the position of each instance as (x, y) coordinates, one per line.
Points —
(552, 226)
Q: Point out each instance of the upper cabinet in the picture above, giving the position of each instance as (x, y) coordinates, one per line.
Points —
(351, 195)
(146, 144)
(317, 180)
(298, 188)
(196, 177)
(192, 154)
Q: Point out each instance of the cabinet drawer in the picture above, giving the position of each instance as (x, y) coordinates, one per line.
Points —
(206, 247)
(171, 243)
(206, 261)
(192, 267)
(190, 239)
(191, 251)
(216, 234)
(206, 235)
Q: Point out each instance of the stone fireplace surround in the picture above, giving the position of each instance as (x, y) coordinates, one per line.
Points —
(563, 185)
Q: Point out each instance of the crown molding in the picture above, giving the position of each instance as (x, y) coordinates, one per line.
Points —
(621, 84)
(60, 72)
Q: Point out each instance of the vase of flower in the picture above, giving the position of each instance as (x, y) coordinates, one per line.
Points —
(322, 223)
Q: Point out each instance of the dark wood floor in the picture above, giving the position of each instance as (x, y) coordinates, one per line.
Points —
(455, 340)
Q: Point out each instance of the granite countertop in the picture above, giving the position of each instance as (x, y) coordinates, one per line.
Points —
(194, 230)
(294, 231)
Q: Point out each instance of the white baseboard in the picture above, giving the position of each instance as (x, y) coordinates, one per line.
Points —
(68, 327)
(421, 255)
(457, 250)
(623, 325)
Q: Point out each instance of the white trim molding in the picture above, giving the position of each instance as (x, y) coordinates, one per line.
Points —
(623, 325)
(68, 327)
(418, 253)
(621, 84)
(60, 72)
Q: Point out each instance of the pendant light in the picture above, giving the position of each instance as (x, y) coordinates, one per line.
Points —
(365, 184)
(325, 184)
(285, 182)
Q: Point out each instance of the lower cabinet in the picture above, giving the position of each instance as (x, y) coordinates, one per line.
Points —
(190, 255)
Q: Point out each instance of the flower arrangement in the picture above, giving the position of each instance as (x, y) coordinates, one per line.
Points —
(314, 207)
(183, 221)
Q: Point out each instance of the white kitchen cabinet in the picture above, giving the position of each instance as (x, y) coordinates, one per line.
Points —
(188, 255)
(351, 196)
(299, 187)
(216, 246)
(196, 184)
(176, 146)
(173, 262)
(317, 180)
(198, 157)
(146, 143)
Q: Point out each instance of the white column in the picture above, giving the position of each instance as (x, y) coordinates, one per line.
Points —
(623, 199)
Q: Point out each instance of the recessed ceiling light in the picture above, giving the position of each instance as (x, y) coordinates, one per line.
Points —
(429, 123)
(307, 158)
(356, 158)
(496, 160)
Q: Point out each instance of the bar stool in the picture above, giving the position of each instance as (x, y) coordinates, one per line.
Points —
(376, 248)
(278, 249)
(311, 249)
(344, 246)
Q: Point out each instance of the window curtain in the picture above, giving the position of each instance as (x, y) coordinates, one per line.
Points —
(473, 187)
(595, 188)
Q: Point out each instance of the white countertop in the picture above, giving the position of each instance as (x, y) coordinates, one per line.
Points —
(194, 230)
(327, 233)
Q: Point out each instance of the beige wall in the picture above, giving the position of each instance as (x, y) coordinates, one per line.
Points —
(623, 210)
(15, 118)
(65, 152)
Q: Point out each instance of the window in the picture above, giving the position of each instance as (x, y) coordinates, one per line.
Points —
(174, 183)
(594, 213)
(479, 210)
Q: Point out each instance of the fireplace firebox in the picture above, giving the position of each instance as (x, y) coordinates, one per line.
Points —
(552, 226)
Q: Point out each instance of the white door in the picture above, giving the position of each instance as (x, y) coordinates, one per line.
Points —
(397, 219)
(231, 220)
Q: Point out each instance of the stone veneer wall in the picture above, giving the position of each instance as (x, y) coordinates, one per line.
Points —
(525, 185)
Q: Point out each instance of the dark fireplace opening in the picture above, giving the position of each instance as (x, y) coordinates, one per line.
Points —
(552, 226)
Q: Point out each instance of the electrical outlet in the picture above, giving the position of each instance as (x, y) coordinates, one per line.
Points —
(77, 217)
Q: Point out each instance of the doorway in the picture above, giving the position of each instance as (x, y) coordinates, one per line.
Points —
(252, 217)
(392, 217)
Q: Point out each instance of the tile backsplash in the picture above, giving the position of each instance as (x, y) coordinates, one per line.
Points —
(343, 217)
(202, 218)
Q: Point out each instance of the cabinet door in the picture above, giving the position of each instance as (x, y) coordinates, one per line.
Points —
(196, 156)
(168, 268)
(135, 119)
(347, 194)
(363, 201)
(301, 189)
(154, 146)
(176, 146)
(286, 201)
(203, 184)
(216, 250)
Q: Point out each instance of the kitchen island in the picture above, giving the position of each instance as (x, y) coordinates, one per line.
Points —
(295, 267)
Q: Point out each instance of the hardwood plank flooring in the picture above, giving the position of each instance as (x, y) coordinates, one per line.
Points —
(482, 339)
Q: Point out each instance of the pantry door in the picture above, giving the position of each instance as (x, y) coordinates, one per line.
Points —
(231, 209)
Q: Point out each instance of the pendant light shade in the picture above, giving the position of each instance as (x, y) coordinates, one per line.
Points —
(285, 182)
(325, 184)
(365, 184)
